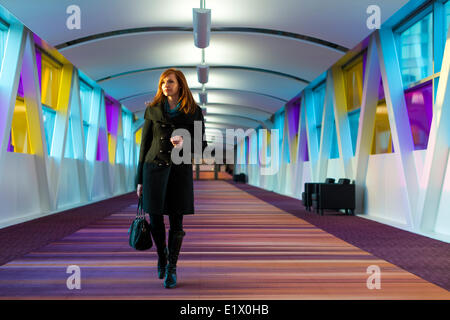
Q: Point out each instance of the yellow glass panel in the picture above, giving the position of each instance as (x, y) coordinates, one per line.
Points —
(382, 138)
(111, 148)
(353, 77)
(20, 137)
(294, 148)
(138, 136)
(50, 81)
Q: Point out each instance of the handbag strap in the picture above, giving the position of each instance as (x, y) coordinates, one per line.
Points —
(140, 212)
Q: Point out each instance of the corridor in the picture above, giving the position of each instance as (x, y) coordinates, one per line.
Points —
(237, 247)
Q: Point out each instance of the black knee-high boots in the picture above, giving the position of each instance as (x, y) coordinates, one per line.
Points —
(159, 236)
(175, 240)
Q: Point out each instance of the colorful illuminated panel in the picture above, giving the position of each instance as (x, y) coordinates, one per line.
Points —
(50, 80)
(20, 138)
(382, 139)
(419, 102)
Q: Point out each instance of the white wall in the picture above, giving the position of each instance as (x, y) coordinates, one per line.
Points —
(385, 197)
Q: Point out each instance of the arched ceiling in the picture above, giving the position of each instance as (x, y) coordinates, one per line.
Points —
(262, 53)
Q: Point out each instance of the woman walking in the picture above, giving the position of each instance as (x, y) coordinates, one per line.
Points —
(167, 188)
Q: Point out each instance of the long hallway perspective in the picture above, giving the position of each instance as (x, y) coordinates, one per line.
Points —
(237, 247)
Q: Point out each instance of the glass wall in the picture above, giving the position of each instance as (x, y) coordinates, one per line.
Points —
(319, 100)
(86, 92)
(353, 79)
(416, 50)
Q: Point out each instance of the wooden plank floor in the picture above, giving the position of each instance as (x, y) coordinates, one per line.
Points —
(236, 247)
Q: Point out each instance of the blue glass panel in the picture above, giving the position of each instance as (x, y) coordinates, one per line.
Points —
(416, 51)
(353, 118)
(85, 130)
(319, 99)
(49, 116)
(447, 16)
(85, 97)
(68, 153)
(334, 153)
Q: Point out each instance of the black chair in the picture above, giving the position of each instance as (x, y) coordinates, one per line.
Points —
(242, 177)
(310, 188)
(339, 196)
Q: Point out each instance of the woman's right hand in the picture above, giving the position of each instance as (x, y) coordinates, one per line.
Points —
(139, 190)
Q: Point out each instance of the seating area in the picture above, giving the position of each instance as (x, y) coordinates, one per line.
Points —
(329, 195)
(240, 178)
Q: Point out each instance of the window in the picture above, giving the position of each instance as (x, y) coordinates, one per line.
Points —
(48, 116)
(69, 152)
(416, 50)
(447, 17)
(20, 137)
(353, 78)
(112, 109)
(319, 101)
(127, 127)
(3, 37)
(382, 138)
(334, 152)
(50, 79)
(419, 103)
(279, 125)
(86, 103)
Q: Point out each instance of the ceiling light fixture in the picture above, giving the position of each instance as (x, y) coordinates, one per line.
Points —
(202, 32)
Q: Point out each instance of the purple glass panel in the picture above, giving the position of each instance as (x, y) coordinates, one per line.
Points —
(112, 116)
(247, 150)
(20, 90)
(419, 103)
(102, 146)
(305, 152)
(39, 66)
(364, 64)
(293, 114)
(10, 146)
(381, 90)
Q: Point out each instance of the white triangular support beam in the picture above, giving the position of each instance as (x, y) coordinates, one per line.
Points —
(437, 153)
(78, 135)
(92, 139)
(343, 134)
(32, 98)
(311, 132)
(366, 122)
(61, 128)
(327, 132)
(9, 83)
(301, 147)
(398, 116)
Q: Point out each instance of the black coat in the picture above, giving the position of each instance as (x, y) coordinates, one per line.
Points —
(167, 187)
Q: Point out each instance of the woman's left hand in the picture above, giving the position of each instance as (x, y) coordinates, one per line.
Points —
(177, 141)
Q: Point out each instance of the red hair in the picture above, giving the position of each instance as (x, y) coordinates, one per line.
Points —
(186, 100)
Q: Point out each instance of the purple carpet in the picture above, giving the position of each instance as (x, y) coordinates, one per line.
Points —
(422, 256)
(25, 237)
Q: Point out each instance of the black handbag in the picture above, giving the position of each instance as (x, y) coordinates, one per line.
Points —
(140, 237)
